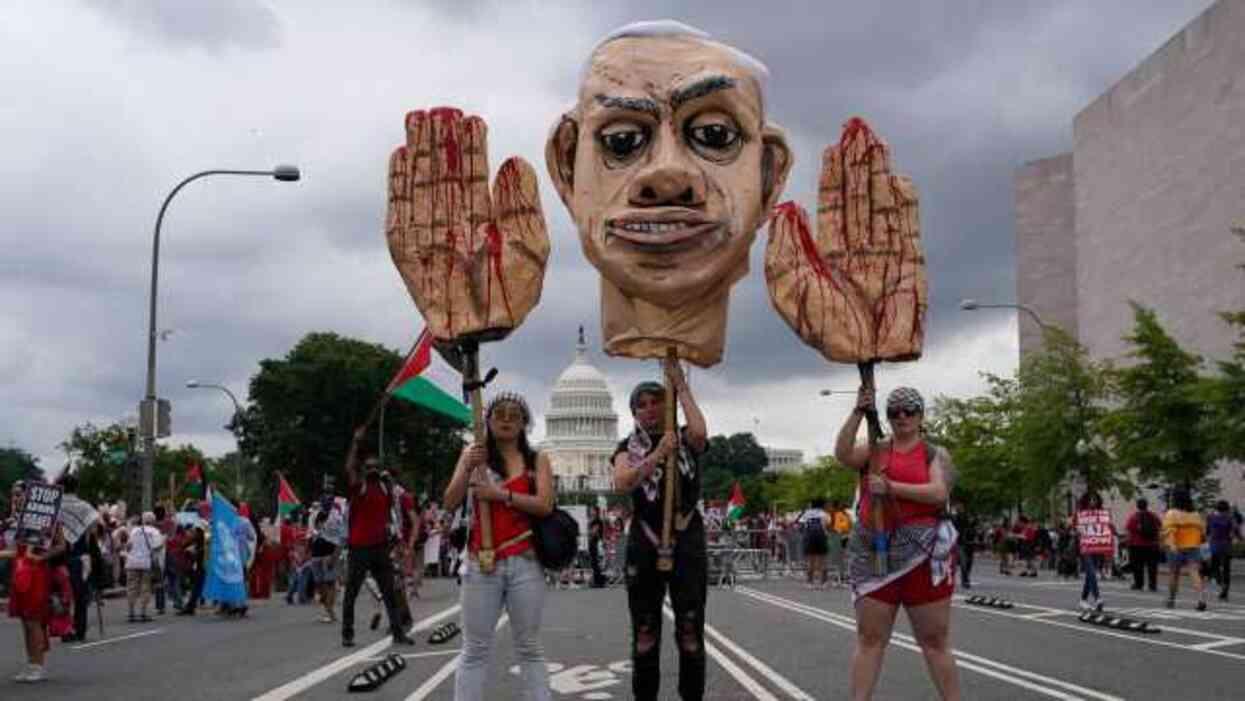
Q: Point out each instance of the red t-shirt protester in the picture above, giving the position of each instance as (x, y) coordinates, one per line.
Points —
(371, 507)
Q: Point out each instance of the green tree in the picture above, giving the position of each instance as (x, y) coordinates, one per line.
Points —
(728, 459)
(107, 464)
(1058, 405)
(825, 479)
(978, 434)
(16, 464)
(305, 406)
(1160, 427)
(1224, 394)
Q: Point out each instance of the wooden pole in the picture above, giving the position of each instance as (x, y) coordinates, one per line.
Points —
(471, 379)
(877, 506)
(665, 552)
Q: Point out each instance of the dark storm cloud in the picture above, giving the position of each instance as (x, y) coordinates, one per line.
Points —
(138, 94)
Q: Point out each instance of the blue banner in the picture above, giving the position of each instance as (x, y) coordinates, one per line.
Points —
(226, 575)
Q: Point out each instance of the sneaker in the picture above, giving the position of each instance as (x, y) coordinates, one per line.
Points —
(401, 638)
(1085, 606)
(35, 674)
(1201, 606)
(20, 677)
(1098, 605)
(1171, 602)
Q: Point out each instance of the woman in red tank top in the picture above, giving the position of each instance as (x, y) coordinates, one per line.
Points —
(516, 485)
(910, 488)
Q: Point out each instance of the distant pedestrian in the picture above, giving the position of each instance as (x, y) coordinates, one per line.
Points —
(146, 544)
(1143, 528)
(1091, 560)
(1184, 531)
(30, 593)
(1222, 529)
(816, 542)
(370, 530)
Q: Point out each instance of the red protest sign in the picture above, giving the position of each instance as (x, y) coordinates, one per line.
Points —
(1094, 527)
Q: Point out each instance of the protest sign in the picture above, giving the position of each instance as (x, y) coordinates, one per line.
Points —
(40, 511)
(1094, 527)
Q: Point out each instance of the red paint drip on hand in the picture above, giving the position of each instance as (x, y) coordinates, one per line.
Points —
(449, 118)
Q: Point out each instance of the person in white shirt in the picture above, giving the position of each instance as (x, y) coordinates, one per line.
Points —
(816, 542)
(146, 542)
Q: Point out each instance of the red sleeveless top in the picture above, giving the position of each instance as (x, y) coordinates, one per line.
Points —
(911, 467)
(508, 522)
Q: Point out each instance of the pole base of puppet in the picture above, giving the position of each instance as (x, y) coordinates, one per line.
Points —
(665, 559)
(487, 560)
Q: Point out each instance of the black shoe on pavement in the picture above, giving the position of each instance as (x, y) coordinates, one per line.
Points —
(1201, 606)
(347, 642)
(1135, 587)
(402, 639)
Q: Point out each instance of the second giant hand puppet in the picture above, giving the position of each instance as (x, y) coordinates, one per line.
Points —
(668, 167)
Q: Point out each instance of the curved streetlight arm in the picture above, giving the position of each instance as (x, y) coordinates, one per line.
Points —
(282, 172)
(971, 305)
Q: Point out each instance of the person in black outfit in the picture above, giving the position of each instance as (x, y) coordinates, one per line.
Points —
(196, 559)
(596, 532)
(966, 526)
(639, 466)
(77, 575)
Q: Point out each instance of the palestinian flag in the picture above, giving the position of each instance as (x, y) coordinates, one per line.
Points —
(287, 501)
(425, 380)
(194, 478)
(735, 507)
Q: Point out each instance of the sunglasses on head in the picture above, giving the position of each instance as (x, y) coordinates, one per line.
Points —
(902, 411)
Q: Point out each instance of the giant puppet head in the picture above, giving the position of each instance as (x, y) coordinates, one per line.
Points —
(668, 168)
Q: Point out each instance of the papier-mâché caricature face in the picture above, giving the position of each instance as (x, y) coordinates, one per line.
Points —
(668, 168)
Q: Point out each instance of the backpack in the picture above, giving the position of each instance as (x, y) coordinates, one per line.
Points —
(1148, 526)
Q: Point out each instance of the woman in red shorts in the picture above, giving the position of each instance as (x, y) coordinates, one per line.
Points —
(911, 488)
(30, 594)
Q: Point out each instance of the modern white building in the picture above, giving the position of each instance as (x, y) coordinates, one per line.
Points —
(783, 459)
(581, 428)
(1141, 208)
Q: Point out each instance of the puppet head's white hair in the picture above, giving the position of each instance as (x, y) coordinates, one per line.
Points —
(673, 28)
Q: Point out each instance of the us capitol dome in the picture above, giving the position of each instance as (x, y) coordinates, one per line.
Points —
(581, 428)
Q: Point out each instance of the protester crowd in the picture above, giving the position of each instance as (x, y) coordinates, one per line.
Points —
(382, 538)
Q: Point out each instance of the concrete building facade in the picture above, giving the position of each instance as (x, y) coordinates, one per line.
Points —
(1141, 209)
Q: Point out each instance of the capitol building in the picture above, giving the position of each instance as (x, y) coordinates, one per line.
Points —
(581, 428)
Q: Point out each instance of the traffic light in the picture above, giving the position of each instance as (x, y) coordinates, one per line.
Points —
(164, 418)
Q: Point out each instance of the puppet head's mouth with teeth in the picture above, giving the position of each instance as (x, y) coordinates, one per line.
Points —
(660, 233)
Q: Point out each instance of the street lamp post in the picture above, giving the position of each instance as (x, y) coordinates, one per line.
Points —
(969, 305)
(237, 414)
(284, 173)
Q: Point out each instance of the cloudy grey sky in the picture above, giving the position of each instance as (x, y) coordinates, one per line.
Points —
(108, 103)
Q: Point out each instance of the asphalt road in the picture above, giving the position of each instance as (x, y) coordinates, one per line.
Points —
(768, 640)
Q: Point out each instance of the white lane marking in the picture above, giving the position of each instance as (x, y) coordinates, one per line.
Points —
(1149, 613)
(1097, 630)
(1226, 642)
(976, 663)
(310, 679)
(777, 679)
(431, 683)
(753, 686)
(118, 639)
(416, 655)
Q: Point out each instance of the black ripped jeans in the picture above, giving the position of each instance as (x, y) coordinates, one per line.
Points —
(646, 592)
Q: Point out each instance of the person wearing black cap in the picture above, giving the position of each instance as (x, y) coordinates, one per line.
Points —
(639, 463)
(368, 539)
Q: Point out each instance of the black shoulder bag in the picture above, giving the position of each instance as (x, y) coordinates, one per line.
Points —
(555, 537)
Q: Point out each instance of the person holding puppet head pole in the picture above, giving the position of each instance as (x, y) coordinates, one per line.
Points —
(515, 483)
(913, 478)
(640, 463)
